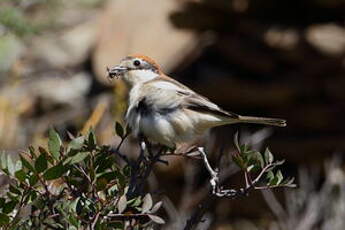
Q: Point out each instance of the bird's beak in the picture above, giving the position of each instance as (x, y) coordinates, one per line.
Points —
(116, 71)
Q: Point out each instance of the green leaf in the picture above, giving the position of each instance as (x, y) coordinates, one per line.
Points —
(135, 202)
(279, 162)
(147, 203)
(289, 182)
(119, 129)
(128, 130)
(156, 219)
(244, 148)
(26, 163)
(270, 176)
(2, 202)
(101, 183)
(122, 204)
(74, 221)
(3, 159)
(54, 144)
(54, 172)
(20, 175)
(73, 205)
(259, 158)
(238, 161)
(48, 156)
(156, 207)
(236, 142)
(279, 177)
(14, 190)
(79, 157)
(10, 165)
(268, 156)
(18, 165)
(9, 206)
(4, 219)
(41, 163)
(32, 152)
(76, 143)
(250, 167)
(92, 141)
(33, 179)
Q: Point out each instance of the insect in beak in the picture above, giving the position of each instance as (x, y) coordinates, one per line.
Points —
(116, 71)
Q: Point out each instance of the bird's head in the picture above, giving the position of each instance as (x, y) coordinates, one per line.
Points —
(135, 69)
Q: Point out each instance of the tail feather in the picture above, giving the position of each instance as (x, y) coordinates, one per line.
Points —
(263, 120)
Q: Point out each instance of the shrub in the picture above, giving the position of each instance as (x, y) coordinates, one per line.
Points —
(80, 185)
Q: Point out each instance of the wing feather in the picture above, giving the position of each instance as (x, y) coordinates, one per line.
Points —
(165, 94)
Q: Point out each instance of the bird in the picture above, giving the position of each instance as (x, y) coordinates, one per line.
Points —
(166, 111)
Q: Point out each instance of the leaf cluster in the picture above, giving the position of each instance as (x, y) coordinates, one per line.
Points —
(253, 162)
(78, 185)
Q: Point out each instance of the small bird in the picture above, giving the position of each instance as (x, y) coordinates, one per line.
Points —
(167, 112)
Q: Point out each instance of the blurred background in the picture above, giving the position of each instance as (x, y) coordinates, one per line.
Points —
(283, 59)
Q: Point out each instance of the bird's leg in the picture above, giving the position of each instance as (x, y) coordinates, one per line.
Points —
(214, 181)
(143, 144)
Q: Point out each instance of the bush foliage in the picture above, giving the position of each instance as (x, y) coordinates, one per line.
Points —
(80, 185)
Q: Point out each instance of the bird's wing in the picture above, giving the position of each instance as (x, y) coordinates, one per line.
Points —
(169, 94)
(199, 103)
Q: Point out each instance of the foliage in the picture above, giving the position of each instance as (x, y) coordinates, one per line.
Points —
(80, 185)
(253, 162)
(77, 186)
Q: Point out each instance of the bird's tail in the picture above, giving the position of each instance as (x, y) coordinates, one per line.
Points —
(263, 120)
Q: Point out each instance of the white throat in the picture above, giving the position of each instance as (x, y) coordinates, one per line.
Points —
(139, 76)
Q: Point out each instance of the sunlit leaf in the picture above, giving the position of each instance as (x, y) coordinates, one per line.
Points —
(156, 219)
(279, 162)
(122, 204)
(250, 167)
(3, 159)
(268, 156)
(279, 176)
(10, 165)
(76, 143)
(54, 144)
(236, 142)
(270, 176)
(18, 165)
(156, 207)
(73, 205)
(289, 182)
(259, 158)
(136, 202)
(79, 157)
(147, 203)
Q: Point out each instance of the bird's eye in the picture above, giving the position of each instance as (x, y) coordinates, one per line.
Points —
(136, 63)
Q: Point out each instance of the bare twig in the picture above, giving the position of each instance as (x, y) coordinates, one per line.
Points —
(232, 193)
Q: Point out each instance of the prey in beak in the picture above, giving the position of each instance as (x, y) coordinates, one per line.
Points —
(116, 71)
